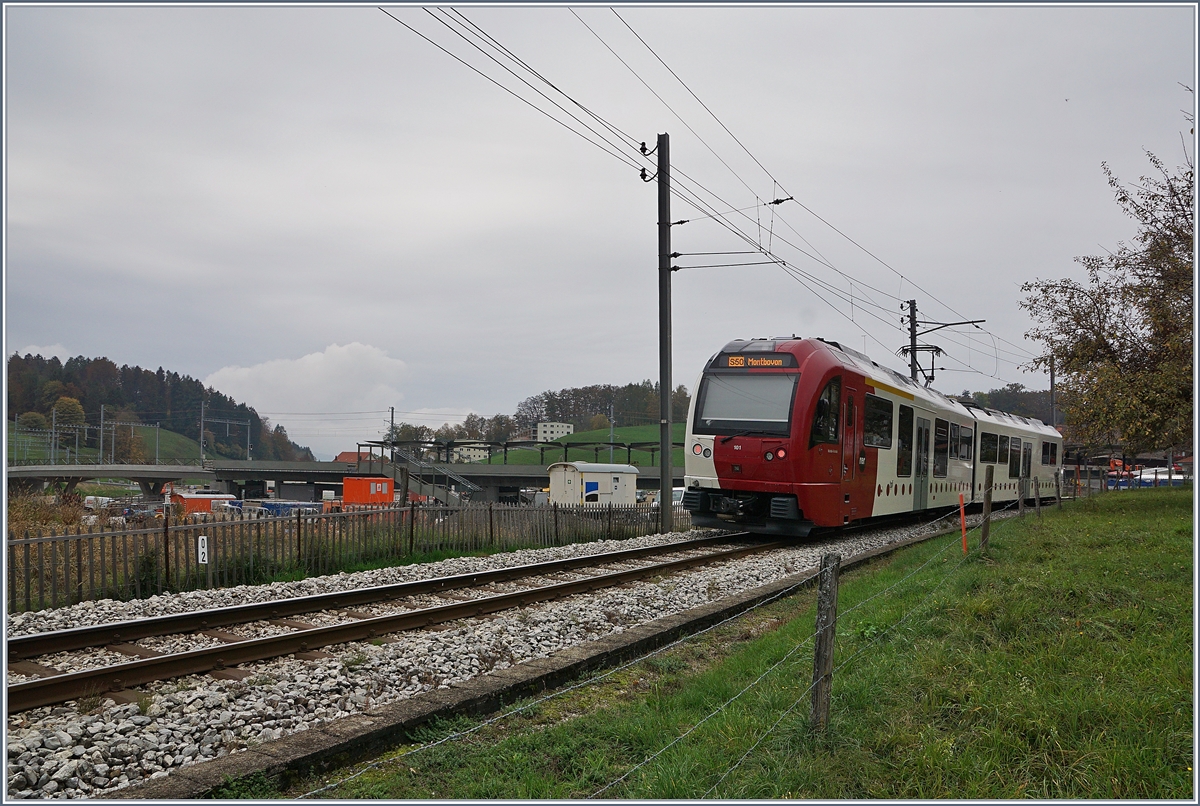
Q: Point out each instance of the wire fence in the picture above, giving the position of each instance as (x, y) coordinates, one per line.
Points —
(789, 656)
(56, 570)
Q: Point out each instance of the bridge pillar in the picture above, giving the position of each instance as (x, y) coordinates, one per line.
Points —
(151, 488)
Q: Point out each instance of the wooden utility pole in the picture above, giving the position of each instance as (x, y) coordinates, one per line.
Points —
(823, 651)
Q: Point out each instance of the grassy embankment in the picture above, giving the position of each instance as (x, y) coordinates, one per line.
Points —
(1058, 666)
(170, 446)
(627, 435)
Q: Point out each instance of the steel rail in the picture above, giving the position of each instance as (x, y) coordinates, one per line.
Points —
(70, 686)
(35, 645)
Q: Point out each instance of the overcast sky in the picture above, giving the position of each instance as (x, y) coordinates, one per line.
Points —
(315, 210)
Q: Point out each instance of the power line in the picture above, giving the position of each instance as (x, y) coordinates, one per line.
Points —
(1021, 351)
(511, 92)
(683, 192)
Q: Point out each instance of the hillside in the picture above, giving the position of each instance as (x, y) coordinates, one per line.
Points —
(25, 446)
(131, 394)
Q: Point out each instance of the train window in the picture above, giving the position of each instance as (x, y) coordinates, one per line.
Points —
(1002, 452)
(1014, 458)
(904, 438)
(1045, 453)
(825, 420)
(953, 440)
(941, 447)
(966, 441)
(1027, 460)
(877, 428)
(1054, 453)
(987, 447)
(745, 404)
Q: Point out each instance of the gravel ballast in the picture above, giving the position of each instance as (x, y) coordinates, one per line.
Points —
(89, 748)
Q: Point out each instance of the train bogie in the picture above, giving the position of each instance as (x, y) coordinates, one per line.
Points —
(785, 435)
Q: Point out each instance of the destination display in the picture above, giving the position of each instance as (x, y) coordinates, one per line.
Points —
(768, 361)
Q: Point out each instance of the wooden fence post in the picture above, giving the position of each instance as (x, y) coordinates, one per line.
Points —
(823, 651)
(491, 526)
(298, 551)
(1021, 497)
(986, 527)
(412, 526)
(555, 507)
(610, 520)
(1037, 494)
(1058, 488)
(167, 543)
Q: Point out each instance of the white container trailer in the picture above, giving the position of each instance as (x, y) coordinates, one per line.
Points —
(575, 483)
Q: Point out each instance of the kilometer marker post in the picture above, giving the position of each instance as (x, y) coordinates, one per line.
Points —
(962, 519)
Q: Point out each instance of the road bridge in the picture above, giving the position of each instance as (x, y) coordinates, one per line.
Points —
(306, 480)
(151, 478)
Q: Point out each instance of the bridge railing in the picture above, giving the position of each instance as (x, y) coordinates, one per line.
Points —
(92, 460)
(116, 560)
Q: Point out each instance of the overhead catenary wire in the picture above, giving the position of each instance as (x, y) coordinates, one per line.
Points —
(882, 262)
(476, 29)
(602, 146)
(681, 192)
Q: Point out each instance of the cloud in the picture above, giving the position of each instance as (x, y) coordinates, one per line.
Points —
(327, 400)
(46, 352)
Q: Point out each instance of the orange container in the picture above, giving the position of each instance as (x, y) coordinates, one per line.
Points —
(367, 490)
(193, 503)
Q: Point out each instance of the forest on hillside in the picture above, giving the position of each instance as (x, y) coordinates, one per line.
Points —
(39, 387)
(588, 408)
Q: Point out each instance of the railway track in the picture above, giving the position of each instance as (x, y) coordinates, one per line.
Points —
(52, 686)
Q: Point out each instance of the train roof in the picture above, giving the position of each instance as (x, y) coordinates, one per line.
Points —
(888, 377)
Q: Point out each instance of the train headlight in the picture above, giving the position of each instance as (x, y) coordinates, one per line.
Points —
(781, 453)
(769, 456)
(707, 453)
(697, 449)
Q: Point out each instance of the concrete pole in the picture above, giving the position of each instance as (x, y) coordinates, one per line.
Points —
(665, 509)
(912, 338)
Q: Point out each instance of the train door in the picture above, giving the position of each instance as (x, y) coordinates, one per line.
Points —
(850, 468)
(1026, 467)
(921, 466)
(849, 433)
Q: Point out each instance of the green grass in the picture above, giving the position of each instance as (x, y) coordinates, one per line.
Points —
(1058, 666)
(629, 434)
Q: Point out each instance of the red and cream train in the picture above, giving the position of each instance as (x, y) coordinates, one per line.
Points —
(785, 435)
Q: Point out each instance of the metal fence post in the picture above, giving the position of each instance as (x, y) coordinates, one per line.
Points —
(823, 651)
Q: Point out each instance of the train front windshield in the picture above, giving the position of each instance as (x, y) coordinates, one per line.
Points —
(750, 404)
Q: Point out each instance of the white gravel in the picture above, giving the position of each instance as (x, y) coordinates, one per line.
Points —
(62, 752)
